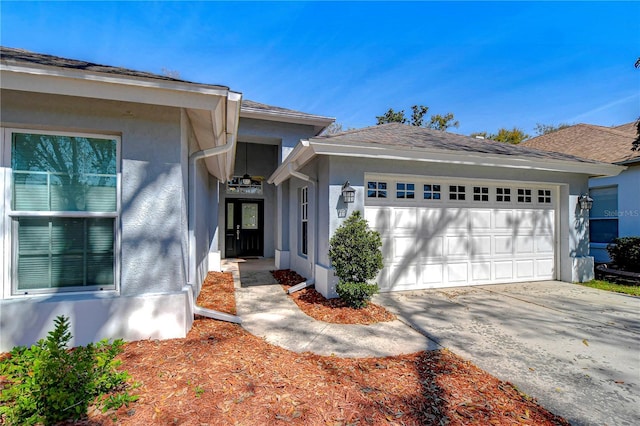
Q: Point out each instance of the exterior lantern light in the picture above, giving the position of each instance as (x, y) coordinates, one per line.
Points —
(348, 193)
(585, 202)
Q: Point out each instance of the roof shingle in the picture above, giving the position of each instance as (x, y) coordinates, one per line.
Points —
(605, 144)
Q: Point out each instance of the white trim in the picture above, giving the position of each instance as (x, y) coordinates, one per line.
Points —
(307, 149)
(10, 292)
(286, 117)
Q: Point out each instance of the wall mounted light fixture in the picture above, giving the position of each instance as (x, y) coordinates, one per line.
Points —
(348, 193)
(585, 202)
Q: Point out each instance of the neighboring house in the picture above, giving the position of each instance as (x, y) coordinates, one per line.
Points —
(616, 199)
(122, 189)
(452, 210)
(116, 201)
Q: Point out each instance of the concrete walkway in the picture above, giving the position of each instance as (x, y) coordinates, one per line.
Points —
(268, 312)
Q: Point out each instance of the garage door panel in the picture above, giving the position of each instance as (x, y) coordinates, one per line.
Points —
(545, 269)
(430, 220)
(432, 274)
(404, 247)
(455, 218)
(457, 246)
(503, 220)
(524, 244)
(480, 221)
(457, 273)
(503, 270)
(404, 276)
(523, 219)
(387, 248)
(481, 271)
(431, 248)
(405, 218)
(379, 218)
(480, 246)
(503, 245)
(524, 269)
(544, 244)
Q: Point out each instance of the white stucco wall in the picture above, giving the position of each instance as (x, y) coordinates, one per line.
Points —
(628, 183)
(152, 224)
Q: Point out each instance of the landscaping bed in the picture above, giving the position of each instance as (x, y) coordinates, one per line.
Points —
(222, 375)
(335, 311)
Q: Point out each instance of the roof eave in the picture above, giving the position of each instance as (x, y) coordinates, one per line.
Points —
(319, 122)
(299, 157)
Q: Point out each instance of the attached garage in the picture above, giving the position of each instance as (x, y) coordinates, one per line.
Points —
(440, 232)
(451, 210)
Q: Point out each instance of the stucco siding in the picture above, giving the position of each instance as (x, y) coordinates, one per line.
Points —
(287, 135)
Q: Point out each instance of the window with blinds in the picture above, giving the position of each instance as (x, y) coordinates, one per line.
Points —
(64, 211)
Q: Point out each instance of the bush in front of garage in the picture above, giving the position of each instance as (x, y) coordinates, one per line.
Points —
(625, 253)
(355, 254)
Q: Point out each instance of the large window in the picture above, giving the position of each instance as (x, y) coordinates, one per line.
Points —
(63, 211)
(304, 220)
(603, 217)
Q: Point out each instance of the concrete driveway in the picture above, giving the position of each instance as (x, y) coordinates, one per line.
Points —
(575, 349)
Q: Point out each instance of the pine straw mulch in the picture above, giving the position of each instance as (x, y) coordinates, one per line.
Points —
(222, 375)
(335, 311)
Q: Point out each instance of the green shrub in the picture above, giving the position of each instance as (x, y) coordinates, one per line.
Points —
(356, 295)
(355, 255)
(625, 253)
(48, 383)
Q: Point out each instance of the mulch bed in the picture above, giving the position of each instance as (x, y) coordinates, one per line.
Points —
(222, 375)
(334, 311)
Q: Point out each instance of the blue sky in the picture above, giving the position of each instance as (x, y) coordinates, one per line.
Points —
(493, 65)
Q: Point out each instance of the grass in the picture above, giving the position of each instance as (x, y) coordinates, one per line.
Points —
(633, 290)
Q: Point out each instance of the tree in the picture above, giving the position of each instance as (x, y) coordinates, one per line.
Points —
(443, 122)
(513, 136)
(355, 254)
(418, 112)
(333, 129)
(543, 129)
(635, 146)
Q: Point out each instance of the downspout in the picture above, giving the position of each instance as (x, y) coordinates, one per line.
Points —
(193, 158)
(311, 282)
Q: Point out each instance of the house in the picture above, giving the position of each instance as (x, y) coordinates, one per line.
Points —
(616, 199)
(122, 189)
(452, 210)
(119, 194)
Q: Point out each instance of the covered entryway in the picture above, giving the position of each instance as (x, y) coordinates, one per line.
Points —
(439, 232)
(244, 228)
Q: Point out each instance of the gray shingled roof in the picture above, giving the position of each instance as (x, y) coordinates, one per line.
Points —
(12, 55)
(9, 55)
(405, 136)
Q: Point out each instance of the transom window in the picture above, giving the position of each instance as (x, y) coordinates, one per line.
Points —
(480, 193)
(405, 190)
(524, 195)
(456, 192)
(503, 195)
(239, 185)
(544, 196)
(64, 202)
(432, 192)
(376, 189)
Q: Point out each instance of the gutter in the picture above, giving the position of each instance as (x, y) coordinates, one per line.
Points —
(312, 281)
(193, 158)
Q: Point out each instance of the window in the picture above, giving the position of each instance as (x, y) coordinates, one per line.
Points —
(503, 195)
(432, 192)
(456, 192)
(236, 186)
(603, 217)
(544, 196)
(524, 195)
(405, 190)
(64, 210)
(376, 189)
(480, 193)
(304, 220)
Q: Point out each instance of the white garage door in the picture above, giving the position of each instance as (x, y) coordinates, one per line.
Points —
(439, 233)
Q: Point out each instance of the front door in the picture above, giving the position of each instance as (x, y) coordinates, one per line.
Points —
(243, 231)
